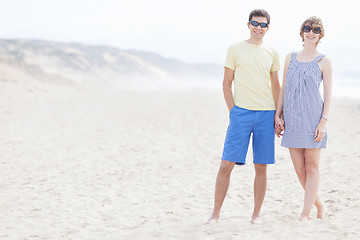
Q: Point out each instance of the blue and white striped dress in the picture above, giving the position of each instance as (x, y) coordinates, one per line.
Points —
(303, 104)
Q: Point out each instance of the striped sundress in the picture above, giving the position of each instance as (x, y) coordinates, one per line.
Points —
(303, 104)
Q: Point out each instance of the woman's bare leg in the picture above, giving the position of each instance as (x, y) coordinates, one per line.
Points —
(298, 159)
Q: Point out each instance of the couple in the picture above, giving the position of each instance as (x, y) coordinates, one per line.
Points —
(301, 114)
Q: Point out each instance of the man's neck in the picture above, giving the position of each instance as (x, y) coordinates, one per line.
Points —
(255, 41)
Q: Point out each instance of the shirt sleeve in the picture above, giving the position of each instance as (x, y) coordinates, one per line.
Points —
(230, 59)
(276, 63)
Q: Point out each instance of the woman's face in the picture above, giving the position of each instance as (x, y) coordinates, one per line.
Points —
(311, 34)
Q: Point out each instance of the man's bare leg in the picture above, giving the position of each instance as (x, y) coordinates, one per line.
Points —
(221, 188)
(260, 183)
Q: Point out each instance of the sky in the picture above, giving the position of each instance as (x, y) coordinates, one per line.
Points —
(193, 31)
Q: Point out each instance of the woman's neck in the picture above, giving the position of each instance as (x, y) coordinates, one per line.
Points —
(310, 50)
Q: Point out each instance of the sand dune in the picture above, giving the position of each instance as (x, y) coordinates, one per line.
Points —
(90, 162)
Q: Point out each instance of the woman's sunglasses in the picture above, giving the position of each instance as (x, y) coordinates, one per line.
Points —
(255, 24)
(316, 30)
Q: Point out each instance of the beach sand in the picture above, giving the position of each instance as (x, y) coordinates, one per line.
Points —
(91, 162)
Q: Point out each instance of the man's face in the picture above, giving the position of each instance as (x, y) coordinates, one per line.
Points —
(258, 32)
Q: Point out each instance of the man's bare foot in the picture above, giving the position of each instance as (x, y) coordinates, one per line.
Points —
(255, 220)
(213, 219)
(304, 218)
(321, 212)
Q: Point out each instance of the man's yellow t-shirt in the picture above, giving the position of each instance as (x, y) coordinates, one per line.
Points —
(252, 65)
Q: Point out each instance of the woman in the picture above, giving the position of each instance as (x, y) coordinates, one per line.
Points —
(302, 113)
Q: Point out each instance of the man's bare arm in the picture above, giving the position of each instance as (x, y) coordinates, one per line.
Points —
(227, 84)
(275, 86)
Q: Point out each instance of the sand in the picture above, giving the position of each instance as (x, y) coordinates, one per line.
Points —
(91, 162)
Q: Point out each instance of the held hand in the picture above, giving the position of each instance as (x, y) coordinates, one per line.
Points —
(279, 126)
(278, 134)
(320, 131)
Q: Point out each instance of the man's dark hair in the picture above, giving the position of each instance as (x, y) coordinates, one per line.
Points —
(260, 13)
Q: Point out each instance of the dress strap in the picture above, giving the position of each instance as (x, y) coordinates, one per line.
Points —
(319, 57)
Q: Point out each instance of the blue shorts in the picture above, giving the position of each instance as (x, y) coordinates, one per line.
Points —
(242, 123)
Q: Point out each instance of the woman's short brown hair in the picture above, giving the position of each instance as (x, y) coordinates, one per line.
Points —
(313, 22)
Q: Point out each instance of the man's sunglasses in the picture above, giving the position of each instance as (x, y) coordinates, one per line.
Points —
(316, 30)
(255, 24)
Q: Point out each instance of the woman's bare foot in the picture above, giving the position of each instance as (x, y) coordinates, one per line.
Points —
(255, 219)
(214, 218)
(321, 212)
(304, 218)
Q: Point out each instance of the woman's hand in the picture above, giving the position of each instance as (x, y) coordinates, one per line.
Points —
(320, 130)
(279, 125)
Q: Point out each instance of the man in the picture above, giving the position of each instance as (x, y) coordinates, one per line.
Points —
(253, 66)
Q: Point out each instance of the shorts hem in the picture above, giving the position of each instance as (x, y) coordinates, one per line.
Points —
(264, 163)
(243, 163)
(236, 162)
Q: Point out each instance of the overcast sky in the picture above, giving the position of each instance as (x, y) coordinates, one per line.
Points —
(190, 30)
